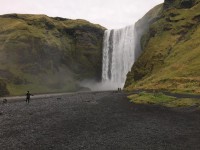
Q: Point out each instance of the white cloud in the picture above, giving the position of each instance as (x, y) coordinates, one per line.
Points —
(108, 13)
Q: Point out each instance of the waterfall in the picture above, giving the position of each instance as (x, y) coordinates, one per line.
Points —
(118, 56)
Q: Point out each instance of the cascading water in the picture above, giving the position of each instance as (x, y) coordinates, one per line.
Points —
(121, 48)
(118, 56)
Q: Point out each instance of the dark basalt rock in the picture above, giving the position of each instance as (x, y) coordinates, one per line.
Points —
(197, 18)
(13, 16)
(168, 3)
(59, 18)
(187, 3)
(178, 4)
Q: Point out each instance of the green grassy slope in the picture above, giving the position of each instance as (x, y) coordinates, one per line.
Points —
(142, 28)
(171, 57)
(45, 54)
(164, 100)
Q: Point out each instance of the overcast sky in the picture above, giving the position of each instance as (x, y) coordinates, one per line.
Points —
(111, 14)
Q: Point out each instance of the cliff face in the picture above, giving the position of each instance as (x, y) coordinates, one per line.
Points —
(180, 4)
(142, 27)
(171, 50)
(45, 54)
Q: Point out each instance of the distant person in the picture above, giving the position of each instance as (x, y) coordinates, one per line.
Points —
(119, 89)
(28, 96)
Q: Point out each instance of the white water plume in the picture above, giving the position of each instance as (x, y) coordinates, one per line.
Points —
(118, 56)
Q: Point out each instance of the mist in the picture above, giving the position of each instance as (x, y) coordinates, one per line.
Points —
(98, 86)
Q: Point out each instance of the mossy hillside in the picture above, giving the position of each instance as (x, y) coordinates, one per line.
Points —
(142, 27)
(142, 34)
(179, 4)
(171, 58)
(37, 50)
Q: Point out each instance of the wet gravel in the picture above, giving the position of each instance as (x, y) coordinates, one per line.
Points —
(96, 121)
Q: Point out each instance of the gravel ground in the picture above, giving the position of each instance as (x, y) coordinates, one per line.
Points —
(96, 121)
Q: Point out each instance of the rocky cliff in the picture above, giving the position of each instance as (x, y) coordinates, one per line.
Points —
(171, 50)
(45, 54)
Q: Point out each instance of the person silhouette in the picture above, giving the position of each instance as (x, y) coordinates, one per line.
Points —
(28, 96)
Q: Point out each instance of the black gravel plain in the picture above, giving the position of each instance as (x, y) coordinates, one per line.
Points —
(96, 121)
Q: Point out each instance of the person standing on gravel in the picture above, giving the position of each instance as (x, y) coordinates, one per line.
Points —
(28, 96)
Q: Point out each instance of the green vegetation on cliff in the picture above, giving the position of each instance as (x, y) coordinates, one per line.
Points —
(171, 50)
(45, 54)
(163, 100)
